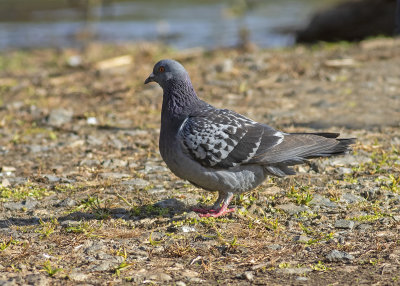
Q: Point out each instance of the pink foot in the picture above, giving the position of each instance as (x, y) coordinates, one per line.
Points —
(222, 211)
(204, 210)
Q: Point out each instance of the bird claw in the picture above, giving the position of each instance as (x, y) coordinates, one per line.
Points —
(214, 213)
(204, 210)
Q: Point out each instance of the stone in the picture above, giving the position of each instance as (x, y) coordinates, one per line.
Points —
(344, 171)
(92, 140)
(89, 163)
(91, 121)
(150, 169)
(5, 183)
(116, 176)
(249, 275)
(302, 238)
(58, 117)
(363, 227)
(186, 229)
(295, 271)
(28, 204)
(15, 105)
(70, 223)
(371, 194)
(77, 143)
(74, 61)
(95, 248)
(225, 67)
(339, 256)
(189, 273)
(292, 208)
(52, 178)
(116, 143)
(301, 278)
(38, 148)
(275, 246)
(78, 276)
(348, 160)
(160, 276)
(170, 203)
(9, 282)
(351, 198)
(68, 202)
(114, 163)
(37, 279)
(319, 200)
(180, 283)
(344, 224)
(157, 190)
(104, 266)
(196, 280)
(8, 169)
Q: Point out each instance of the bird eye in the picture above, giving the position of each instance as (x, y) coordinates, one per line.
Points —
(161, 69)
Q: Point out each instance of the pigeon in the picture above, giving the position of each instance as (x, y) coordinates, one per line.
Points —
(223, 151)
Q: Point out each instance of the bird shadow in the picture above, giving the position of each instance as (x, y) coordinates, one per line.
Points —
(168, 209)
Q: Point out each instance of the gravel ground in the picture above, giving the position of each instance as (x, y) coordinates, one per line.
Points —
(86, 199)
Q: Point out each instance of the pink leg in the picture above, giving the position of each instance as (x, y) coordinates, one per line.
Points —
(222, 211)
(217, 211)
(214, 208)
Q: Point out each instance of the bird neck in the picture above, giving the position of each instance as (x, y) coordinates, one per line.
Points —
(179, 99)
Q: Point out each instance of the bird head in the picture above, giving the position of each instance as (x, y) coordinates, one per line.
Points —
(165, 71)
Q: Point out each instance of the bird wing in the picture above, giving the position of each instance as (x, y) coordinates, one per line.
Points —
(222, 138)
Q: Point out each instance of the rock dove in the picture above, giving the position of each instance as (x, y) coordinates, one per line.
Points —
(221, 150)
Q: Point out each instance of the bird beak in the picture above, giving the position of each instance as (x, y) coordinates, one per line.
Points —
(149, 79)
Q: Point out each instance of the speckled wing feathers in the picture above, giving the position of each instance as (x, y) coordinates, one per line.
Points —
(221, 138)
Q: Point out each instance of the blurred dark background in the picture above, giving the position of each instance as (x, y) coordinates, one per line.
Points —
(186, 24)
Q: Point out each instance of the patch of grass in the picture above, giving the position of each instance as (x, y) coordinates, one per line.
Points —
(272, 224)
(149, 210)
(202, 220)
(245, 200)
(369, 217)
(306, 214)
(50, 270)
(123, 265)
(83, 227)
(317, 236)
(47, 228)
(207, 200)
(180, 249)
(154, 242)
(284, 265)
(350, 178)
(62, 188)
(320, 266)
(391, 184)
(94, 205)
(7, 243)
(302, 195)
(374, 261)
(22, 192)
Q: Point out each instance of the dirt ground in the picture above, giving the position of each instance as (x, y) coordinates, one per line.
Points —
(86, 199)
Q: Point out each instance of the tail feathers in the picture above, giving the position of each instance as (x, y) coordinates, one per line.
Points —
(280, 170)
(342, 148)
(296, 148)
(323, 134)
